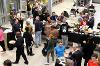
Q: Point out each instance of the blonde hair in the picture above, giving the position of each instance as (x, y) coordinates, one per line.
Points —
(51, 36)
(59, 41)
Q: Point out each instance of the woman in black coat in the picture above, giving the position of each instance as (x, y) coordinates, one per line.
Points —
(88, 48)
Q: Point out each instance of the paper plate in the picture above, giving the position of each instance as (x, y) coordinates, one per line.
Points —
(12, 42)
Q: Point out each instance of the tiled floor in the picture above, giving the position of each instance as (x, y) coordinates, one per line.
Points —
(37, 59)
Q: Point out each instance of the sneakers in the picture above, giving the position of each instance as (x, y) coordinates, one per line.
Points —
(47, 63)
(26, 62)
(14, 62)
(17, 62)
(32, 54)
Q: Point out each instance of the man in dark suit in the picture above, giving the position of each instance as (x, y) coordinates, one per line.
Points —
(35, 12)
(88, 47)
(20, 48)
(38, 31)
(91, 21)
(15, 28)
(77, 56)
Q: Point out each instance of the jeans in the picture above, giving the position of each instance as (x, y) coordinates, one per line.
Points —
(38, 37)
(65, 40)
(52, 54)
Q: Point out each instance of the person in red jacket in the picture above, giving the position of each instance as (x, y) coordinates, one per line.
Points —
(93, 61)
(84, 22)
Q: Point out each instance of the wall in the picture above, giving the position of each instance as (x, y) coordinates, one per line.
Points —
(96, 1)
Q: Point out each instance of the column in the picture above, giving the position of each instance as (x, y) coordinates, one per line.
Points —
(20, 4)
(5, 20)
(91, 2)
(50, 7)
(5, 10)
(23, 4)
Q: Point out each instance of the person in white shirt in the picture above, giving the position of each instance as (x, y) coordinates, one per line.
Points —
(30, 20)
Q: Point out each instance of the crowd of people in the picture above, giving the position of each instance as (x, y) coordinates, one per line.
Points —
(56, 31)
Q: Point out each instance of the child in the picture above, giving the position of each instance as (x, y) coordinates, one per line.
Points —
(60, 49)
(93, 61)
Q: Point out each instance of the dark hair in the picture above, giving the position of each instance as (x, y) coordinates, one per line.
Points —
(66, 14)
(95, 55)
(53, 12)
(27, 29)
(53, 26)
(7, 63)
(18, 33)
(57, 61)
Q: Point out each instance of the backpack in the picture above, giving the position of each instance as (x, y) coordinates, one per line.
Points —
(44, 53)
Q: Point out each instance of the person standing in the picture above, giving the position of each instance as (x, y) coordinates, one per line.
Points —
(38, 31)
(19, 44)
(86, 46)
(29, 26)
(28, 8)
(50, 48)
(60, 49)
(2, 39)
(30, 22)
(91, 21)
(54, 16)
(20, 17)
(76, 56)
(15, 28)
(55, 32)
(64, 33)
(28, 39)
(35, 12)
(94, 60)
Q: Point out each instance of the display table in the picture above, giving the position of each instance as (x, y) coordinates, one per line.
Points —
(8, 37)
(80, 37)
